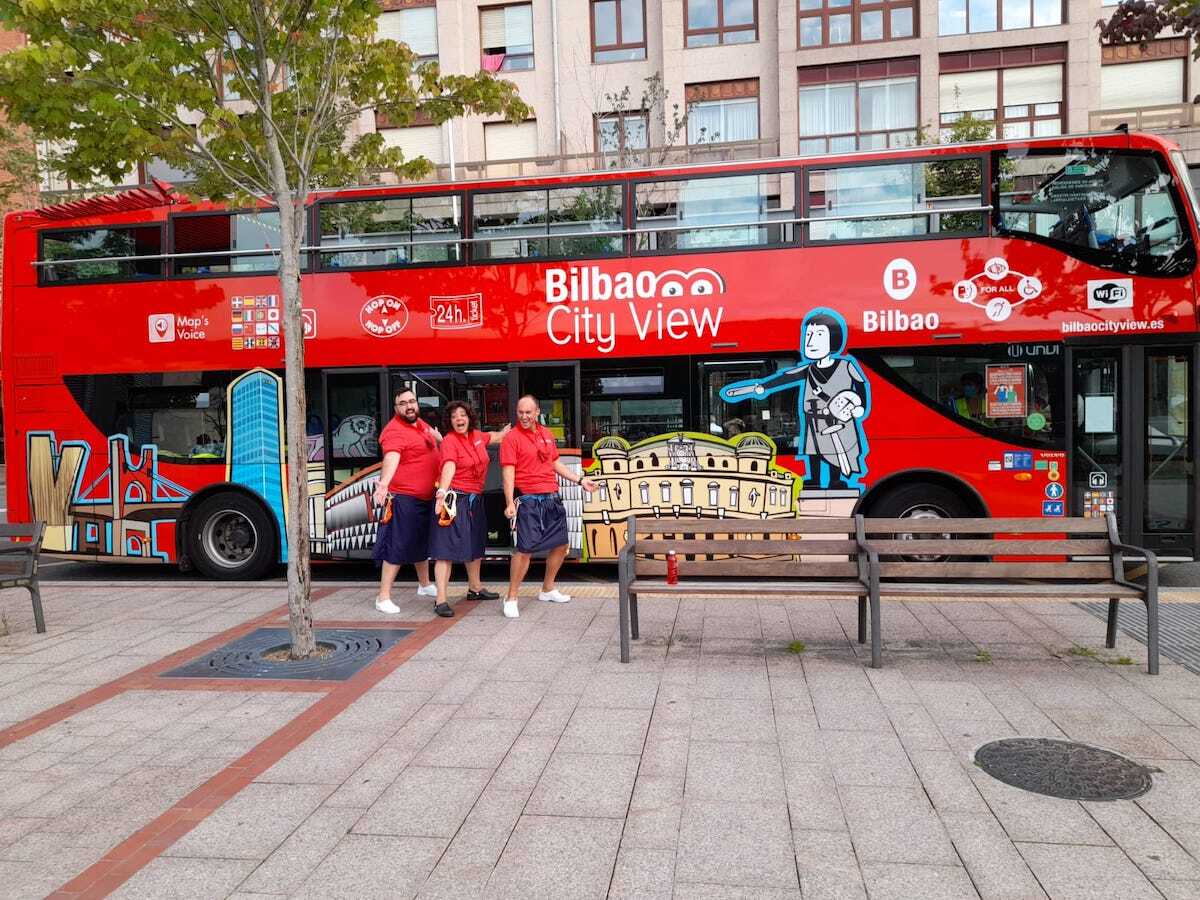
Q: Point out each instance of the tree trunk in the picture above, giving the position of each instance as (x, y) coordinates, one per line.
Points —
(299, 573)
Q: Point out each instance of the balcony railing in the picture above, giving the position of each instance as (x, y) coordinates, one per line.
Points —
(1146, 118)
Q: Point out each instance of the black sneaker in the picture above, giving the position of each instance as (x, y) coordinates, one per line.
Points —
(444, 610)
(482, 594)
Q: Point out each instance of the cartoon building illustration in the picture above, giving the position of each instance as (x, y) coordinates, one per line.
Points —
(255, 442)
(684, 476)
(128, 510)
(835, 399)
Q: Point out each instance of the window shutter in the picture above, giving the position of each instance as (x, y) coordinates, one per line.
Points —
(502, 140)
(389, 27)
(491, 28)
(1033, 84)
(1153, 83)
(518, 26)
(965, 91)
(423, 140)
(420, 30)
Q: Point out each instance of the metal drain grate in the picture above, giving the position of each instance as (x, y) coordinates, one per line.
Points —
(1063, 769)
(243, 658)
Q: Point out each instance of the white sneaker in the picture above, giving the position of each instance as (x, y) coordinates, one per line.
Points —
(510, 610)
(386, 606)
(554, 596)
(429, 590)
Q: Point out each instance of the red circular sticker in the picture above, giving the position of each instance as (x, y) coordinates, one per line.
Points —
(384, 316)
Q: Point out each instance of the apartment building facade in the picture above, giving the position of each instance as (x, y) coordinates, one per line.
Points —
(787, 77)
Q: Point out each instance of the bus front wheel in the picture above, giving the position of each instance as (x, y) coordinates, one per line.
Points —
(231, 538)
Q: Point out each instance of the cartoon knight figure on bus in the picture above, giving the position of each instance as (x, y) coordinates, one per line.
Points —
(834, 399)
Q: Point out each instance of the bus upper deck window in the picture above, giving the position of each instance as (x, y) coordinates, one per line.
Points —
(559, 222)
(391, 231)
(873, 202)
(1113, 208)
(95, 254)
(711, 213)
(227, 242)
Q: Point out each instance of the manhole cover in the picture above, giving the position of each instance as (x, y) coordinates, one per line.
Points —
(1063, 769)
(243, 658)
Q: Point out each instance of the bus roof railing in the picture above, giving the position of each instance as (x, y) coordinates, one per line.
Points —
(615, 232)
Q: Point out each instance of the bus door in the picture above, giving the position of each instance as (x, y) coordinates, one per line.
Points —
(556, 385)
(1133, 447)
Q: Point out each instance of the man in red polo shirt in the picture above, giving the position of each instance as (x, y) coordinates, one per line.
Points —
(408, 476)
(529, 463)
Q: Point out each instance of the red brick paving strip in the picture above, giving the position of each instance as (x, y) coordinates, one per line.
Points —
(127, 858)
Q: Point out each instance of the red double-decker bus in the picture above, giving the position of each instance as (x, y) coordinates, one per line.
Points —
(1005, 328)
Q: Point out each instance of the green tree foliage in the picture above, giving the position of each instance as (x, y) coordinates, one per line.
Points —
(117, 82)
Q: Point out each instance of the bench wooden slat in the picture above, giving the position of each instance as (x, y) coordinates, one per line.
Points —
(20, 529)
(647, 527)
(1051, 525)
(730, 588)
(1035, 591)
(747, 547)
(996, 547)
(750, 567)
(970, 570)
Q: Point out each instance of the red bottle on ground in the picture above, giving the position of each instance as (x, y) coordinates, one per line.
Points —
(672, 567)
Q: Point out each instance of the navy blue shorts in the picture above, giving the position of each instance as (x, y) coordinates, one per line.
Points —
(465, 538)
(541, 523)
(404, 539)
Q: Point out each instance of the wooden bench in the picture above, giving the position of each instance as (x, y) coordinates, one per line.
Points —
(1039, 561)
(19, 546)
(871, 559)
(718, 557)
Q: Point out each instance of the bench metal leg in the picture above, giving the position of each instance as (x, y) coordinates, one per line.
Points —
(1152, 631)
(39, 620)
(862, 620)
(623, 623)
(1110, 636)
(633, 617)
(876, 641)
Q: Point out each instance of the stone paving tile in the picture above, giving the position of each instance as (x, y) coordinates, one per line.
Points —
(502, 700)
(636, 690)
(553, 857)
(585, 785)
(685, 891)
(895, 825)
(177, 878)
(828, 866)
(1031, 817)
(252, 824)
(363, 866)
(745, 719)
(918, 882)
(467, 864)
(295, 859)
(470, 743)
(1176, 792)
(945, 780)
(425, 802)
(866, 758)
(736, 843)
(1179, 890)
(605, 730)
(752, 773)
(1075, 872)
(648, 874)
(996, 867)
(1144, 841)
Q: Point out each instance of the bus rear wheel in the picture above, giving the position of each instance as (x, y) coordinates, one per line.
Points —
(920, 501)
(231, 538)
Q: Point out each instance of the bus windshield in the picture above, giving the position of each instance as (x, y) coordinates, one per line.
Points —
(1113, 208)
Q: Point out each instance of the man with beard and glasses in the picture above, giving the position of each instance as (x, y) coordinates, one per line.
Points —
(529, 463)
(405, 489)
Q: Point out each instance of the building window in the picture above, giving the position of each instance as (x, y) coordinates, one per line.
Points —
(722, 111)
(733, 496)
(831, 22)
(848, 112)
(618, 30)
(1024, 102)
(644, 492)
(664, 488)
(506, 37)
(687, 485)
(414, 26)
(713, 497)
(621, 132)
(507, 140)
(1136, 85)
(229, 69)
(712, 22)
(970, 16)
(419, 140)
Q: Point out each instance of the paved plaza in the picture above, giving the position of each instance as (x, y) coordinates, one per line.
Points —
(518, 758)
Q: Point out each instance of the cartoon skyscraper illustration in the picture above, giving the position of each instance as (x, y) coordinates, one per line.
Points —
(255, 441)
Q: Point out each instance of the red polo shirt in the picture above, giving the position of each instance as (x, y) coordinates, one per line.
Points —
(532, 453)
(418, 469)
(470, 457)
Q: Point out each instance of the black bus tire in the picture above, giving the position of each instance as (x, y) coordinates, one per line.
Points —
(231, 538)
(921, 500)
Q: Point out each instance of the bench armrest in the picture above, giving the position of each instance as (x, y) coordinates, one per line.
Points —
(1119, 565)
(868, 569)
